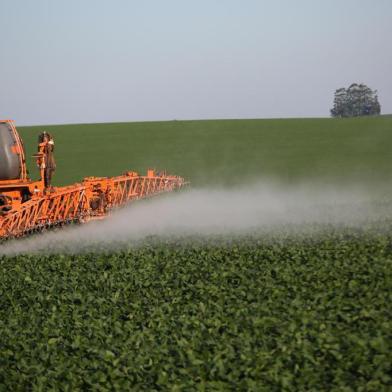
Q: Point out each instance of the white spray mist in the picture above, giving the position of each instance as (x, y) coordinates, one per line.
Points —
(263, 205)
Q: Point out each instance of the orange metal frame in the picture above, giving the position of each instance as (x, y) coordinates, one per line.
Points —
(94, 198)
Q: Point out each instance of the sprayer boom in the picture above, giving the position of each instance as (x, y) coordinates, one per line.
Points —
(28, 206)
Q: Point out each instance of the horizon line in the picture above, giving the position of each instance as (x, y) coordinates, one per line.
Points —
(191, 120)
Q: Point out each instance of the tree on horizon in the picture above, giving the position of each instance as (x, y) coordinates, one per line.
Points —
(356, 100)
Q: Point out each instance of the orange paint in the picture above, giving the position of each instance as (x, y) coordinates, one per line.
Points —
(27, 206)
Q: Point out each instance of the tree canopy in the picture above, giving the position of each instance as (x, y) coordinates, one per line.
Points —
(357, 100)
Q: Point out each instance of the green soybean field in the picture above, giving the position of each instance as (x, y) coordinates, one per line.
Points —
(294, 309)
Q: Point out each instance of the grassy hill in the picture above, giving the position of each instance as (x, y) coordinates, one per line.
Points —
(225, 151)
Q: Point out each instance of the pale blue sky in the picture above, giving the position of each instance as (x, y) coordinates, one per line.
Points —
(102, 61)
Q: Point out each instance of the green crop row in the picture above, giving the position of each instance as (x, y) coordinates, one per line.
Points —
(248, 313)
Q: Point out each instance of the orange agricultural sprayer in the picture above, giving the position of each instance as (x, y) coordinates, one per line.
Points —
(28, 206)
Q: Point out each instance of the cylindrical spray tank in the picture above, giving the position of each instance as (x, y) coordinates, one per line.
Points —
(10, 160)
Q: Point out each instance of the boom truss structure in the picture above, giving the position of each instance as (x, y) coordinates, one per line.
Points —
(29, 206)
